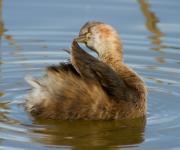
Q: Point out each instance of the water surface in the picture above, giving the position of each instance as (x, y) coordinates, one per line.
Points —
(32, 34)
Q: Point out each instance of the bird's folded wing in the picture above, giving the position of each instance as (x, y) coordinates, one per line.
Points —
(92, 69)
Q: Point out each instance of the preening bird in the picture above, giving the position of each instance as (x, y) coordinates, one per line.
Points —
(87, 87)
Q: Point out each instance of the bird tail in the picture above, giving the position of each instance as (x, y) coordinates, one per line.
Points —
(32, 81)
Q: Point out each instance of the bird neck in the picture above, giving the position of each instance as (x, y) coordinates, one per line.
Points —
(112, 58)
(130, 77)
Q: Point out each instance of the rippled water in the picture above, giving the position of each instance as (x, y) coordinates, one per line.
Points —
(32, 34)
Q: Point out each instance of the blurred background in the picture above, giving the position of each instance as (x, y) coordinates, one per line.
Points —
(32, 34)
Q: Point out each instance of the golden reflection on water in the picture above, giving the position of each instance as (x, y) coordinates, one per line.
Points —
(12, 42)
(1, 20)
(9, 38)
(81, 134)
(4, 111)
(151, 24)
(1, 33)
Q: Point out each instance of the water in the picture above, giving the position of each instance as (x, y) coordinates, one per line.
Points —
(32, 34)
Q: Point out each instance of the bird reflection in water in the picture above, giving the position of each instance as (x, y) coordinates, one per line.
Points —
(80, 135)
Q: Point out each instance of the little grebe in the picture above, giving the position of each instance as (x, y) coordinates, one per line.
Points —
(89, 88)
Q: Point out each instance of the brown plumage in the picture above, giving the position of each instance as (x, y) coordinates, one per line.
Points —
(89, 88)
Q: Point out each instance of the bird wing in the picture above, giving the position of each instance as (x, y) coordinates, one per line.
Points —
(92, 69)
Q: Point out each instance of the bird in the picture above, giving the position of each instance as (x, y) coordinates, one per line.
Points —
(89, 87)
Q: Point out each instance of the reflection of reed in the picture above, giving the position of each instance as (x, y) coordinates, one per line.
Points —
(151, 19)
(151, 25)
(2, 105)
(3, 113)
(13, 42)
(87, 134)
(1, 21)
(9, 38)
(1, 33)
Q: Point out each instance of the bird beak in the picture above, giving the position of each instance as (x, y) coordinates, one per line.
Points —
(81, 38)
